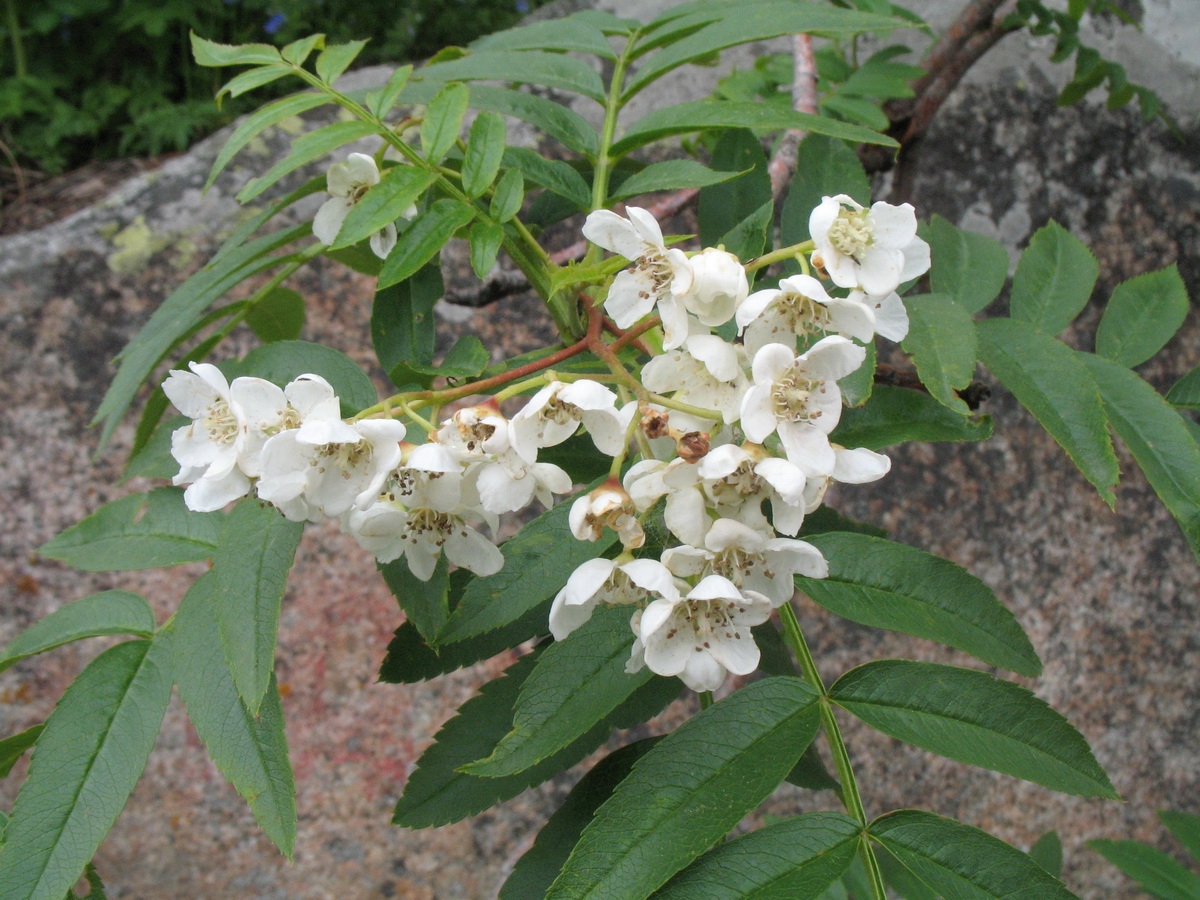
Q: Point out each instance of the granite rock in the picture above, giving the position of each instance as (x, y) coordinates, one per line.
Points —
(1107, 597)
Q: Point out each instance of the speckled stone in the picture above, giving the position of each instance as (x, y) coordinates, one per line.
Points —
(1107, 597)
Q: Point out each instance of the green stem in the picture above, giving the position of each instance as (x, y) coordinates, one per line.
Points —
(783, 253)
(14, 34)
(529, 256)
(706, 699)
(851, 797)
(611, 109)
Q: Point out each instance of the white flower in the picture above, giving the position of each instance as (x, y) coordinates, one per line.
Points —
(347, 182)
(348, 470)
(553, 414)
(801, 306)
(891, 316)
(749, 559)
(608, 505)
(719, 286)
(707, 373)
(657, 271)
(738, 479)
(798, 396)
(611, 581)
(704, 635)
(874, 249)
(207, 450)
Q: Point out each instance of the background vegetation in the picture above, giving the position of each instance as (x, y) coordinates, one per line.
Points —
(97, 79)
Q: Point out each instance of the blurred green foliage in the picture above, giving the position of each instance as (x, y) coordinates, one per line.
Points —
(97, 79)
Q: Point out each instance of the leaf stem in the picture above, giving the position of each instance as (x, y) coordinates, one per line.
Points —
(851, 797)
(783, 253)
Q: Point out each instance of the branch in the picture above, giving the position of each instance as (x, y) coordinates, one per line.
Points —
(974, 394)
(804, 99)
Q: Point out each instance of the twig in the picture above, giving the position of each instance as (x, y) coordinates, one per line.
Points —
(974, 394)
(804, 99)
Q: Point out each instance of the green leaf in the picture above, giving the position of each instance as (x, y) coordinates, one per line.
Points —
(209, 53)
(95, 885)
(409, 659)
(1186, 391)
(1185, 827)
(13, 748)
(551, 174)
(974, 718)
(403, 329)
(825, 518)
(384, 203)
(1153, 870)
(1053, 384)
(257, 122)
(485, 149)
(755, 22)
(1157, 437)
(859, 385)
(576, 682)
(249, 575)
(443, 120)
(559, 122)
(1053, 281)
(141, 531)
(282, 362)
(109, 612)
(298, 51)
(883, 584)
(810, 773)
(963, 863)
(541, 863)
(527, 67)
(1142, 315)
(88, 759)
(438, 792)
(722, 206)
(899, 879)
(969, 267)
(856, 109)
(702, 115)
(335, 59)
(535, 561)
(382, 101)
(239, 235)
(895, 415)
(508, 196)
(796, 858)
(154, 459)
(556, 34)
(178, 313)
(305, 149)
(425, 603)
(423, 240)
(748, 238)
(825, 167)
(941, 340)
(689, 790)
(485, 239)
(279, 316)
(250, 80)
(1047, 852)
(670, 175)
(250, 751)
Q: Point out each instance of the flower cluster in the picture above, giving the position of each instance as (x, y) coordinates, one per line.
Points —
(729, 430)
(750, 420)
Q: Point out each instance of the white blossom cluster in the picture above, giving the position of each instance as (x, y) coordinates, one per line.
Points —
(755, 430)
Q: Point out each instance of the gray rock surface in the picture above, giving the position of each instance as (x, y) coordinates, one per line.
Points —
(1108, 598)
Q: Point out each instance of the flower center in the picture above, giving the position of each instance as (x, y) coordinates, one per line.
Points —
(345, 456)
(851, 232)
(221, 423)
(658, 269)
(791, 395)
(804, 314)
(357, 192)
